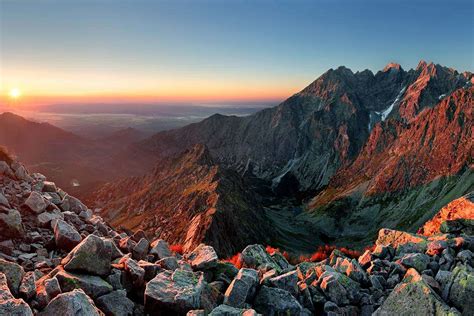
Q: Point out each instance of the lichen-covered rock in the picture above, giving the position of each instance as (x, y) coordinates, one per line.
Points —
(140, 250)
(11, 224)
(256, 257)
(92, 256)
(461, 293)
(417, 261)
(75, 303)
(174, 292)
(116, 303)
(28, 285)
(202, 257)
(225, 310)
(414, 297)
(14, 274)
(92, 285)
(403, 242)
(273, 301)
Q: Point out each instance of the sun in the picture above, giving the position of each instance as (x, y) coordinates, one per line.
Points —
(15, 93)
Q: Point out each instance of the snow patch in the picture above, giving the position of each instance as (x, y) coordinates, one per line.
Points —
(384, 114)
(441, 96)
(289, 165)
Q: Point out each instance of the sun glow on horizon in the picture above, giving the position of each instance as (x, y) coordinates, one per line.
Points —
(14, 93)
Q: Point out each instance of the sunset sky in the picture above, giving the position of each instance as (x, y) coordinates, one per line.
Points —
(215, 51)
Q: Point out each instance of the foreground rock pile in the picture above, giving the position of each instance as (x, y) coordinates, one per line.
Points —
(58, 258)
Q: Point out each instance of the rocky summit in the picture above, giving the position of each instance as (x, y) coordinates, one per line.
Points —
(58, 257)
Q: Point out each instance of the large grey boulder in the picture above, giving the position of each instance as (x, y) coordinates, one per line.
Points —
(45, 218)
(92, 285)
(140, 250)
(461, 292)
(92, 256)
(36, 203)
(174, 292)
(116, 303)
(11, 224)
(273, 301)
(14, 274)
(66, 236)
(72, 204)
(75, 303)
(256, 257)
(202, 257)
(414, 297)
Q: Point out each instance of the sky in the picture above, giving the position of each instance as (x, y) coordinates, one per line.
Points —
(207, 51)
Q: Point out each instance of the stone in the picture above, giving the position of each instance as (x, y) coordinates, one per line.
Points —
(168, 263)
(46, 290)
(92, 285)
(115, 279)
(134, 271)
(365, 259)
(66, 236)
(4, 201)
(413, 297)
(22, 174)
(202, 257)
(225, 310)
(417, 261)
(436, 247)
(249, 276)
(160, 249)
(287, 282)
(273, 301)
(174, 292)
(75, 303)
(465, 256)
(28, 285)
(72, 204)
(14, 274)
(91, 256)
(256, 257)
(11, 224)
(45, 218)
(461, 294)
(236, 293)
(151, 269)
(116, 303)
(403, 242)
(36, 203)
(140, 250)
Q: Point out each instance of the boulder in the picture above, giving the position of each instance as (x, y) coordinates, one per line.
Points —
(92, 285)
(28, 285)
(249, 276)
(417, 261)
(75, 303)
(134, 271)
(225, 310)
(45, 218)
(236, 293)
(11, 224)
(72, 204)
(91, 256)
(174, 292)
(66, 236)
(4, 201)
(168, 263)
(160, 249)
(403, 242)
(287, 282)
(202, 257)
(36, 203)
(273, 301)
(140, 250)
(47, 288)
(14, 274)
(461, 293)
(49, 186)
(116, 303)
(414, 297)
(256, 257)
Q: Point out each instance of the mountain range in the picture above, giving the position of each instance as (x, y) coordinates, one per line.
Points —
(345, 156)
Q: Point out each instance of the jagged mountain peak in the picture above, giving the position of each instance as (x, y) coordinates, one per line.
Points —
(392, 66)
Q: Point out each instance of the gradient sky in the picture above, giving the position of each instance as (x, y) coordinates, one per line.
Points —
(216, 51)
